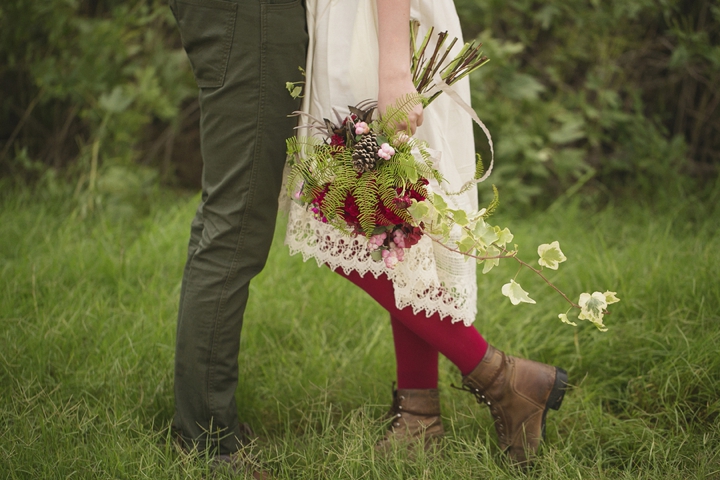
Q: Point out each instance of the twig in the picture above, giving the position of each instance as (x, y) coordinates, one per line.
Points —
(512, 255)
(21, 123)
(507, 255)
(546, 281)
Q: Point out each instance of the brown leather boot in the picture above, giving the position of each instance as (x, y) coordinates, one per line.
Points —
(415, 417)
(519, 393)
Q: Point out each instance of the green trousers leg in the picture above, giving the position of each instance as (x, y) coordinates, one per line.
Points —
(242, 53)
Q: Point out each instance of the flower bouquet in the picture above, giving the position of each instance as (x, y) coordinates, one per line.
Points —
(365, 178)
(361, 175)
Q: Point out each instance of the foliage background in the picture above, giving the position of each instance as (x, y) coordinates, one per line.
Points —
(623, 93)
(606, 96)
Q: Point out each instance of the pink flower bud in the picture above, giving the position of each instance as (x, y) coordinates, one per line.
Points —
(361, 128)
(390, 260)
(385, 147)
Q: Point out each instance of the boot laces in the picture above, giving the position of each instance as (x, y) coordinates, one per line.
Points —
(482, 400)
(479, 396)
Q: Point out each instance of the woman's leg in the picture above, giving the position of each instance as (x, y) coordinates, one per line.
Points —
(462, 345)
(417, 361)
(519, 392)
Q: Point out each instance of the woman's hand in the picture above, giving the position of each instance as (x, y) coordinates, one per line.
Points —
(394, 79)
(393, 89)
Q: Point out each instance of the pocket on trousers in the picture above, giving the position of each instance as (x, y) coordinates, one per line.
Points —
(284, 23)
(206, 29)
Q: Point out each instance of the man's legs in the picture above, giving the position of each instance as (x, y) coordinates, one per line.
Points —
(242, 54)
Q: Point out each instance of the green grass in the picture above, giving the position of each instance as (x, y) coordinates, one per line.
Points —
(87, 320)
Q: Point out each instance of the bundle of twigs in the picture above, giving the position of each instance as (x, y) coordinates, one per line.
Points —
(424, 67)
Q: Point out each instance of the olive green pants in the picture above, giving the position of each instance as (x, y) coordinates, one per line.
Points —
(242, 52)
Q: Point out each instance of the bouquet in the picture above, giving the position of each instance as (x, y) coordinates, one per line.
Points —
(365, 178)
(362, 175)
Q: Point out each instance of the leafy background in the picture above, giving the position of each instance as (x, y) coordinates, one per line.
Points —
(581, 95)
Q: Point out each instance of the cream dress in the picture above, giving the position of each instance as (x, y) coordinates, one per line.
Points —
(341, 71)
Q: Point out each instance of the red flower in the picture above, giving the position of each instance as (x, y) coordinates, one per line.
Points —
(384, 216)
(352, 212)
(337, 140)
(412, 234)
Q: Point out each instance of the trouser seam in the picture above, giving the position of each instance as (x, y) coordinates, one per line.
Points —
(243, 218)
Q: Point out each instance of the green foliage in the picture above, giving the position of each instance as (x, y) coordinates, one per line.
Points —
(397, 114)
(318, 168)
(90, 82)
(618, 94)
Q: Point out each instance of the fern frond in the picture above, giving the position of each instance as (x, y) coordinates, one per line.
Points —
(398, 113)
(300, 145)
(366, 194)
(418, 188)
(479, 167)
(493, 204)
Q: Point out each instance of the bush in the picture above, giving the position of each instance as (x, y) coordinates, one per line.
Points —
(88, 80)
(620, 94)
(605, 96)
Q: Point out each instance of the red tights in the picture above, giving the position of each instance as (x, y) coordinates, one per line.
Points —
(418, 338)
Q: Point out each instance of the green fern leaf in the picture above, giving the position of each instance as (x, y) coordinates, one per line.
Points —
(493, 204)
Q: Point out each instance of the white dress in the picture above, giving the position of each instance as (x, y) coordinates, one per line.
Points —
(341, 71)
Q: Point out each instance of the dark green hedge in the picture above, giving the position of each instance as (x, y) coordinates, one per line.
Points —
(617, 93)
(90, 86)
(603, 95)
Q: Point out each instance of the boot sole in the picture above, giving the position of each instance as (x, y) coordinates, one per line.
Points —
(557, 394)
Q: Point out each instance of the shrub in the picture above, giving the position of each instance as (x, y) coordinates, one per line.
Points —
(87, 80)
(620, 94)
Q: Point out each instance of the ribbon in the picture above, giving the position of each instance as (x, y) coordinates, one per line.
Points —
(450, 91)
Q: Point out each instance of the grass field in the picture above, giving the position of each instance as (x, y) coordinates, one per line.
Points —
(87, 320)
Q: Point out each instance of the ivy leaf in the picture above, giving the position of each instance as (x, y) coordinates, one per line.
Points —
(592, 309)
(551, 255)
(610, 297)
(466, 244)
(504, 236)
(460, 217)
(564, 319)
(295, 90)
(412, 175)
(418, 210)
(515, 293)
(491, 262)
(439, 202)
(485, 232)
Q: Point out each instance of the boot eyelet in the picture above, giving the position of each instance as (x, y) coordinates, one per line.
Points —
(488, 403)
(399, 415)
(396, 424)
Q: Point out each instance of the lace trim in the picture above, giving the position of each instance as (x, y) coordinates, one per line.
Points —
(430, 279)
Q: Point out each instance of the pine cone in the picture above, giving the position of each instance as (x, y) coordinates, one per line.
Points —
(365, 154)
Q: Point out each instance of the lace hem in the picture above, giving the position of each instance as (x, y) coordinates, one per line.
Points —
(430, 279)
